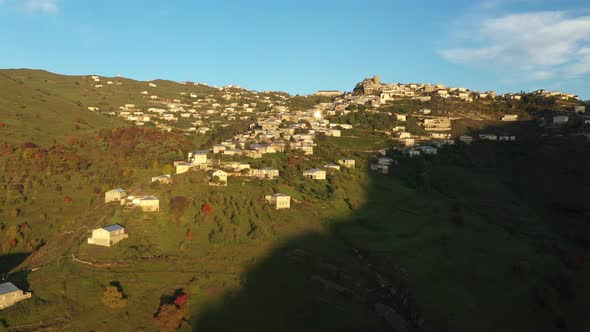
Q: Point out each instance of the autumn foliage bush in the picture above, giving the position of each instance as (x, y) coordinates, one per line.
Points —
(206, 209)
(177, 206)
(190, 234)
(171, 315)
(113, 298)
(181, 299)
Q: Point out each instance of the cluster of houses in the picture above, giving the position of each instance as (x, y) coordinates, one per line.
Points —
(382, 93)
(144, 203)
(196, 113)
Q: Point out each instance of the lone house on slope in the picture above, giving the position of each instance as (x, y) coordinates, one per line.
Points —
(10, 294)
(108, 235)
(218, 178)
(279, 201)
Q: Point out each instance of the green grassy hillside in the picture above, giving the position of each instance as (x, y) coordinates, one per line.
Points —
(487, 237)
(41, 113)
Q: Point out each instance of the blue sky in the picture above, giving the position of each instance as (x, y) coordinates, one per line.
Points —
(302, 46)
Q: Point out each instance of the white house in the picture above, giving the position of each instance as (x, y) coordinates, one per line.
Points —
(409, 142)
(265, 173)
(315, 174)
(114, 195)
(401, 117)
(466, 139)
(488, 137)
(183, 167)
(560, 119)
(384, 169)
(164, 178)
(218, 177)
(332, 166)
(217, 148)
(279, 200)
(413, 152)
(347, 162)
(108, 235)
(510, 117)
(334, 133)
(429, 150)
(10, 294)
(384, 161)
(198, 156)
(148, 203)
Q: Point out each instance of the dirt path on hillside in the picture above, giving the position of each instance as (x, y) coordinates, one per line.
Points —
(61, 244)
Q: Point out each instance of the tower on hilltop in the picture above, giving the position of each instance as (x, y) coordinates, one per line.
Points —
(376, 79)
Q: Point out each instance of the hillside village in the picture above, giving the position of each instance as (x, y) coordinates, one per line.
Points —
(277, 126)
(269, 155)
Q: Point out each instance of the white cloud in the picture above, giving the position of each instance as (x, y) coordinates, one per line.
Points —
(540, 45)
(32, 6)
(46, 6)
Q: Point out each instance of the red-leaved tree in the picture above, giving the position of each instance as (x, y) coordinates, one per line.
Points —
(207, 209)
(181, 299)
(189, 234)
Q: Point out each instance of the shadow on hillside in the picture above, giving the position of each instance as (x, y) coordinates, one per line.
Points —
(351, 280)
(10, 261)
(315, 282)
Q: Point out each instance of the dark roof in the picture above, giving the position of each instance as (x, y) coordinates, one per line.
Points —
(112, 228)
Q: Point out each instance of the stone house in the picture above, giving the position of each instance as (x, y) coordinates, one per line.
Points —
(108, 235)
(413, 152)
(315, 174)
(279, 201)
(466, 139)
(383, 169)
(147, 203)
(10, 294)
(265, 173)
(346, 162)
(218, 178)
(114, 195)
(198, 157)
(183, 167)
(384, 161)
(332, 166)
(560, 119)
(164, 178)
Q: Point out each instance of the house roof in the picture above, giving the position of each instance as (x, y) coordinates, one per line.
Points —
(148, 198)
(119, 190)
(112, 228)
(315, 170)
(280, 195)
(8, 287)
